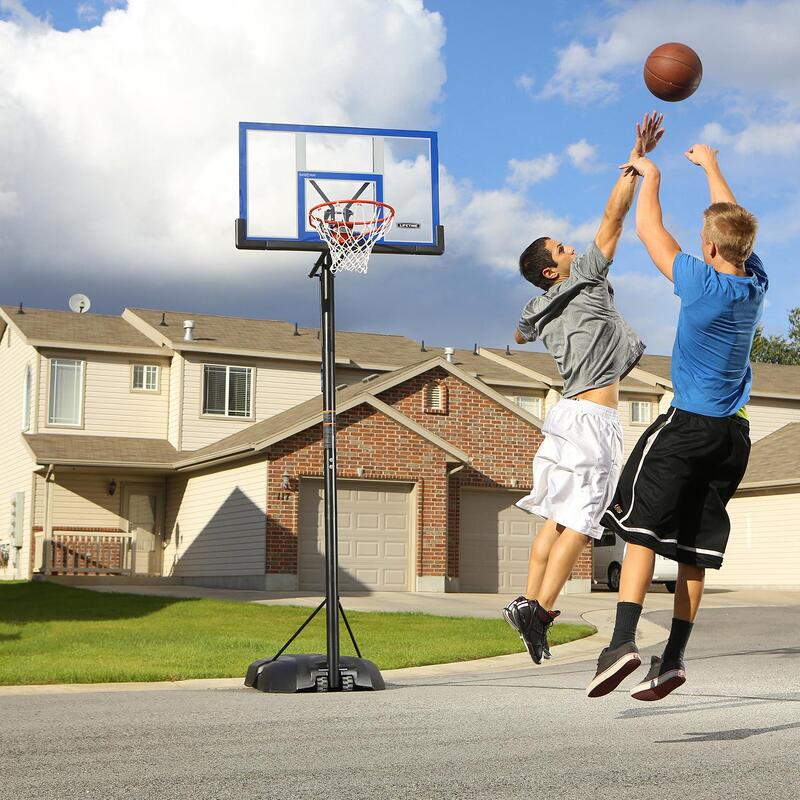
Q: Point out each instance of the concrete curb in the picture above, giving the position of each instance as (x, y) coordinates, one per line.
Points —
(580, 650)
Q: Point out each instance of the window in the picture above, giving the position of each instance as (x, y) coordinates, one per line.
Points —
(66, 392)
(27, 390)
(533, 405)
(641, 412)
(145, 378)
(435, 398)
(226, 390)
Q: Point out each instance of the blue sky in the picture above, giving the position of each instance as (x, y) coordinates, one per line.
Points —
(120, 180)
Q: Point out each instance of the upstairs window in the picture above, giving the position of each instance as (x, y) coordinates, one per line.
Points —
(27, 391)
(533, 405)
(145, 378)
(66, 392)
(641, 412)
(227, 390)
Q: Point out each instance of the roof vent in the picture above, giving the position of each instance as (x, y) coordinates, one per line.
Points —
(475, 349)
(449, 352)
(19, 310)
(296, 332)
(163, 323)
(422, 346)
(188, 330)
(508, 350)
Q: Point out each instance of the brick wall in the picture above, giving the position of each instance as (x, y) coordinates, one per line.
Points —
(500, 444)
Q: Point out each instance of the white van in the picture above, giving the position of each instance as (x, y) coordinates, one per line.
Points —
(607, 554)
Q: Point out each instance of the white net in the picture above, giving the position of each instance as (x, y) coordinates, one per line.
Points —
(350, 228)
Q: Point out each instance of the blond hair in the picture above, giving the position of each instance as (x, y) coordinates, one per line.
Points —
(732, 229)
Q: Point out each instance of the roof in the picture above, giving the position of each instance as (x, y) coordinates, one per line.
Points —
(66, 329)
(299, 417)
(274, 338)
(775, 459)
(64, 448)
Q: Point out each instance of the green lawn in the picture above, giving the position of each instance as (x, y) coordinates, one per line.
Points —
(59, 634)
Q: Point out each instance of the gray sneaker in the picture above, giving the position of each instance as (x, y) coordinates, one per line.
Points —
(613, 667)
(663, 678)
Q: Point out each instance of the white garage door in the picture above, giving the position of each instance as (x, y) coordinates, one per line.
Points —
(495, 542)
(375, 552)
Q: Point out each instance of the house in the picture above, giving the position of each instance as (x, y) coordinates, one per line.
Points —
(186, 447)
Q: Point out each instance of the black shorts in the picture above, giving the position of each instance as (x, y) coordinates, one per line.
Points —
(673, 490)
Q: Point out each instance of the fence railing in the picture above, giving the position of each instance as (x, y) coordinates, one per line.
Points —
(89, 554)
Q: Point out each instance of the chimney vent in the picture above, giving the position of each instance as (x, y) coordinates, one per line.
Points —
(296, 332)
(188, 330)
(449, 352)
(163, 322)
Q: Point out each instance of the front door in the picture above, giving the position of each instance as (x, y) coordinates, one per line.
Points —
(145, 531)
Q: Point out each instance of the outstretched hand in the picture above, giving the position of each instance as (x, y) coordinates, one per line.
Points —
(702, 155)
(648, 133)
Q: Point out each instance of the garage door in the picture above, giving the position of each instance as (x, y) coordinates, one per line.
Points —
(495, 542)
(375, 552)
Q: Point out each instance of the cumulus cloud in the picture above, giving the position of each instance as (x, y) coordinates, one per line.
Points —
(583, 156)
(756, 138)
(120, 142)
(525, 173)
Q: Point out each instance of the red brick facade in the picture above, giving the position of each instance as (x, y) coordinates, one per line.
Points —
(500, 445)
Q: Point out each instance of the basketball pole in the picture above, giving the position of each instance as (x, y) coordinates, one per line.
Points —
(303, 672)
(328, 344)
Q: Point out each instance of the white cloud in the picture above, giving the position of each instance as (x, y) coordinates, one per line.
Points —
(120, 142)
(584, 156)
(87, 12)
(590, 72)
(525, 173)
(756, 138)
(525, 82)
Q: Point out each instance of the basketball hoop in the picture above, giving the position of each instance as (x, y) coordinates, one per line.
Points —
(350, 228)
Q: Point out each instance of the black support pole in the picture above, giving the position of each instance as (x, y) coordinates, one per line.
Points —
(328, 339)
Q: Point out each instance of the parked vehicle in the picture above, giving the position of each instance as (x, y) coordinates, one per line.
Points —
(607, 554)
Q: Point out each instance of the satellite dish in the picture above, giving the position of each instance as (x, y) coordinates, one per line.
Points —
(79, 303)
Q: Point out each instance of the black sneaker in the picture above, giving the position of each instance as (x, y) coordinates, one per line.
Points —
(663, 678)
(532, 621)
(613, 667)
(515, 618)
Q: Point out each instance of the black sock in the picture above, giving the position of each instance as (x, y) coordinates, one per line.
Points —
(625, 625)
(679, 635)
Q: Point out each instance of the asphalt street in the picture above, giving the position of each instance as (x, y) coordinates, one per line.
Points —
(732, 731)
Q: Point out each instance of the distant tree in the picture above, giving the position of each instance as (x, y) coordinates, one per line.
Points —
(778, 349)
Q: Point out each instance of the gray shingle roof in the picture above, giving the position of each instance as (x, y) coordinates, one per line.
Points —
(66, 448)
(67, 328)
(775, 458)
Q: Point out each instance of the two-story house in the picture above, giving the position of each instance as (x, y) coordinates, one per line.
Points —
(186, 447)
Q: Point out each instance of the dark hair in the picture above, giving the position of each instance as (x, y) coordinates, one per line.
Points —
(534, 260)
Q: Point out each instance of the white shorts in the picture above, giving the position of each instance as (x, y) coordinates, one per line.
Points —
(577, 466)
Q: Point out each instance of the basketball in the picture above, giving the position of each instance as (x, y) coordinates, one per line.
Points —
(673, 72)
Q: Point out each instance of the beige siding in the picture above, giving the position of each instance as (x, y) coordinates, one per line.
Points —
(174, 430)
(82, 501)
(762, 549)
(277, 386)
(16, 463)
(632, 431)
(767, 415)
(110, 408)
(216, 522)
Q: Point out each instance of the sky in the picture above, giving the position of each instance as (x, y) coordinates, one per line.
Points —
(119, 168)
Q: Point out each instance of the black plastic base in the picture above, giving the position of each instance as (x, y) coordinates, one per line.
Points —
(309, 673)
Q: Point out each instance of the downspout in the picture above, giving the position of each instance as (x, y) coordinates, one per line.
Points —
(47, 533)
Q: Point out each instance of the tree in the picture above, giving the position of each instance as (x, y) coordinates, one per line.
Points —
(778, 349)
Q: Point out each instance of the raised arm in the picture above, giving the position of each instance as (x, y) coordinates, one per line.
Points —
(660, 244)
(706, 157)
(648, 134)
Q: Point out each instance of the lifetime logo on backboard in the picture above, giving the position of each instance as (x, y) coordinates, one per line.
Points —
(413, 225)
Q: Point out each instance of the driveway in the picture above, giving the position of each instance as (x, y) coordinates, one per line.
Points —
(733, 731)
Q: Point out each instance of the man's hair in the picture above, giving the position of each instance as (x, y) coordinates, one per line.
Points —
(534, 260)
(732, 229)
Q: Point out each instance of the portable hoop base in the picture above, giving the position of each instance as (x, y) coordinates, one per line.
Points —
(331, 672)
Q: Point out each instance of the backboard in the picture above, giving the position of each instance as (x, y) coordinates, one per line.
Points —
(284, 170)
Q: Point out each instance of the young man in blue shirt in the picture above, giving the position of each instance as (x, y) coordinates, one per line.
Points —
(672, 494)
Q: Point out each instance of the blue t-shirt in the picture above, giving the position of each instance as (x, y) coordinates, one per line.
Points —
(711, 358)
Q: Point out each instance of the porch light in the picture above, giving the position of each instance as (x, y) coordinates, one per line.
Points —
(112, 487)
(285, 478)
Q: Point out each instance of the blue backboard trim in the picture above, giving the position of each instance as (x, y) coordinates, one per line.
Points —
(244, 240)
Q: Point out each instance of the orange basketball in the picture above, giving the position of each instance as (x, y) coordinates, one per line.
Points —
(673, 72)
